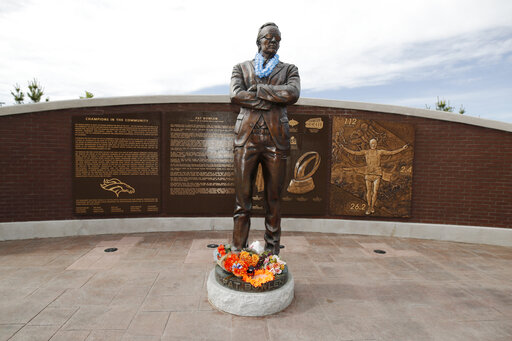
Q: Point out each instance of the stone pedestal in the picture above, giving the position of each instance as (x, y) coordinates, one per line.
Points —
(249, 303)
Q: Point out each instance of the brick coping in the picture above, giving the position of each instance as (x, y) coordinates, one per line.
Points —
(170, 99)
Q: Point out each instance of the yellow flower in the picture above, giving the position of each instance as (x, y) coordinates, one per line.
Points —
(250, 259)
(260, 277)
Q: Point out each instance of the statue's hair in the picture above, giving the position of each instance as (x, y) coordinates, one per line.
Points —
(261, 29)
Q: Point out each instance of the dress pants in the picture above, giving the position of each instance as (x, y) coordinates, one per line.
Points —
(259, 148)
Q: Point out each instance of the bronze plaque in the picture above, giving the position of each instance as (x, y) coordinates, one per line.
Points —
(201, 165)
(116, 164)
(201, 178)
(371, 170)
(304, 191)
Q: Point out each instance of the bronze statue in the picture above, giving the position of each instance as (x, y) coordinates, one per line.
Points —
(263, 87)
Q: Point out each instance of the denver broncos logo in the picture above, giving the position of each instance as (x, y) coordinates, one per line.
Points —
(116, 186)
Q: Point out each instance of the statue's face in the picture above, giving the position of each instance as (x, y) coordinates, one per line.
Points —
(373, 144)
(269, 43)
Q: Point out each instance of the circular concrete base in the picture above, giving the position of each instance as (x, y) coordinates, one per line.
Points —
(249, 304)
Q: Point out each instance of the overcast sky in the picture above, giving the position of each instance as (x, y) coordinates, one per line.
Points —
(392, 52)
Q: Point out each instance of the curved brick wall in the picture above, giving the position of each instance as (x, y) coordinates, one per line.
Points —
(462, 170)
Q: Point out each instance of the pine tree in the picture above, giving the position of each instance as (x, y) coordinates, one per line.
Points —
(444, 105)
(87, 95)
(18, 95)
(35, 91)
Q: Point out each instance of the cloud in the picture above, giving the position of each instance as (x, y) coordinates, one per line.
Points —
(118, 48)
(425, 59)
(9, 6)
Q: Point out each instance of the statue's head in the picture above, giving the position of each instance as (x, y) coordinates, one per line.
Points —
(373, 143)
(268, 39)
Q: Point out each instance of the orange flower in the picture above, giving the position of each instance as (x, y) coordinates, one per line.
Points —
(230, 260)
(221, 250)
(250, 259)
(260, 277)
(240, 268)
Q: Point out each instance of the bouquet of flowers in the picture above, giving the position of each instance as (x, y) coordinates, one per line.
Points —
(253, 264)
(273, 264)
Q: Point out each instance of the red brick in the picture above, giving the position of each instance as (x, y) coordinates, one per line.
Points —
(462, 173)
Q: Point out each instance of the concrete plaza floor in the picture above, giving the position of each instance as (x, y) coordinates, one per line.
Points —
(154, 288)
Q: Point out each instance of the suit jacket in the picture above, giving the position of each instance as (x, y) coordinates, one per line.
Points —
(280, 88)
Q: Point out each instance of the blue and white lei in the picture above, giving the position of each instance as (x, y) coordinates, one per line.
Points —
(258, 65)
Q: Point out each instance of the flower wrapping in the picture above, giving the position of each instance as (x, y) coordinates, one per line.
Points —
(257, 247)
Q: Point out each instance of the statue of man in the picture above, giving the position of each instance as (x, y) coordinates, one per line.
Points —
(263, 87)
(373, 171)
